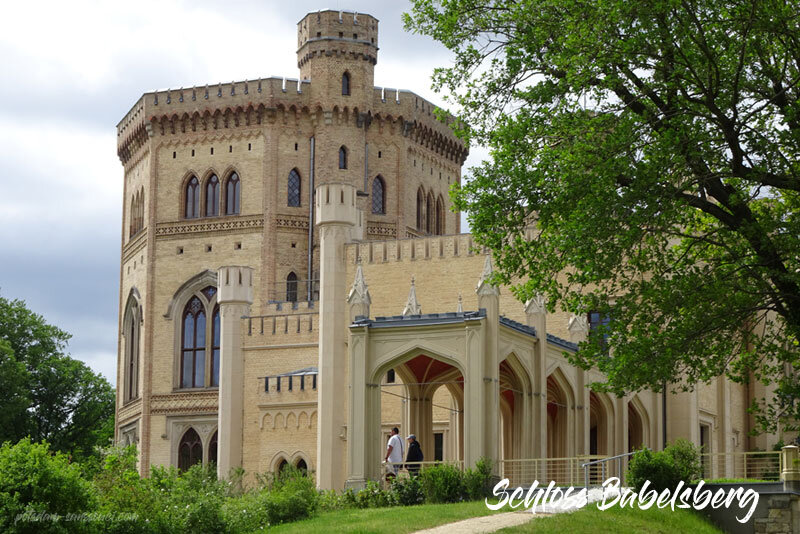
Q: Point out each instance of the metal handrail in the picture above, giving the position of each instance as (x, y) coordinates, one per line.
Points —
(602, 464)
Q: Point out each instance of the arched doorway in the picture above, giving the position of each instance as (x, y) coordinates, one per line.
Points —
(515, 387)
(560, 432)
(425, 398)
(601, 417)
(637, 425)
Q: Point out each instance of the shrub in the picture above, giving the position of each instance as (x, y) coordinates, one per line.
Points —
(374, 497)
(34, 480)
(442, 483)
(478, 481)
(687, 459)
(665, 469)
(408, 491)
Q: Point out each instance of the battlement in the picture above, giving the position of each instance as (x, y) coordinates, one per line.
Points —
(414, 249)
(346, 26)
(235, 284)
(279, 330)
(336, 203)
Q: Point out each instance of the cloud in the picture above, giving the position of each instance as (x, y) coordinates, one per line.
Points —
(72, 70)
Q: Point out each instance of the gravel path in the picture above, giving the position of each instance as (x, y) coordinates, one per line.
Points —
(492, 523)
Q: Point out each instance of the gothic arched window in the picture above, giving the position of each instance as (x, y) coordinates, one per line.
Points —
(215, 348)
(293, 188)
(342, 157)
(346, 83)
(439, 216)
(233, 195)
(378, 195)
(420, 209)
(190, 450)
(131, 383)
(212, 196)
(429, 214)
(192, 199)
(291, 287)
(212, 448)
(193, 345)
(132, 217)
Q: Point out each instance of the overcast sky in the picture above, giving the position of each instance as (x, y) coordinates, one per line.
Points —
(71, 70)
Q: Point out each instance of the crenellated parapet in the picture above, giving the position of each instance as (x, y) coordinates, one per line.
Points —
(252, 103)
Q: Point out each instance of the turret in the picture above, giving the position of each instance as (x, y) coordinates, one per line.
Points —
(337, 51)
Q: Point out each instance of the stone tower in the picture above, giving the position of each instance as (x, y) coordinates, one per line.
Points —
(335, 44)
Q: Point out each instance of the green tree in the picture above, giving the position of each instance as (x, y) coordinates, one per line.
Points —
(46, 394)
(650, 150)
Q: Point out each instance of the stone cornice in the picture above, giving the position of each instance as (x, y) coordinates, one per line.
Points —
(232, 224)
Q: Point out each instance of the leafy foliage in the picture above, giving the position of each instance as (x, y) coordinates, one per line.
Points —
(644, 164)
(50, 396)
(442, 483)
(35, 481)
(679, 461)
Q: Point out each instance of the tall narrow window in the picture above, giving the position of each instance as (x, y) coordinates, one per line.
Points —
(212, 196)
(429, 214)
(346, 83)
(342, 157)
(192, 199)
(293, 188)
(215, 348)
(190, 450)
(132, 217)
(420, 209)
(212, 448)
(193, 357)
(132, 348)
(291, 287)
(233, 195)
(378, 195)
(439, 216)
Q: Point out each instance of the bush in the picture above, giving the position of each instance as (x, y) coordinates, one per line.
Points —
(373, 497)
(34, 480)
(680, 461)
(478, 481)
(687, 459)
(408, 491)
(442, 483)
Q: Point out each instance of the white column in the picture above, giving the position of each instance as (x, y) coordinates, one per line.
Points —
(234, 295)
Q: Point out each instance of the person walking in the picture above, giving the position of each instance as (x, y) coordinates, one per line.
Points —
(414, 455)
(394, 452)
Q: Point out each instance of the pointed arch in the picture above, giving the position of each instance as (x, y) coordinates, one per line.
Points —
(233, 194)
(343, 157)
(190, 450)
(420, 209)
(293, 188)
(440, 230)
(346, 83)
(430, 220)
(212, 193)
(378, 195)
(192, 198)
(638, 425)
(193, 344)
(291, 287)
(131, 321)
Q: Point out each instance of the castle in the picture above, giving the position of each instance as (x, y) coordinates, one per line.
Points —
(294, 284)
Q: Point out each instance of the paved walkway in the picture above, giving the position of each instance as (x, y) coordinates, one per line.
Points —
(487, 523)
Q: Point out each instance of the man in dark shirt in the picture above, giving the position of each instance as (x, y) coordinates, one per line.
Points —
(414, 455)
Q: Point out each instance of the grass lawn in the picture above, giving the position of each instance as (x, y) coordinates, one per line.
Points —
(617, 520)
(393, 520)
(738, 481)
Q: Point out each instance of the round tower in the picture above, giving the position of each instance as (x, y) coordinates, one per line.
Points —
(337, 51)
